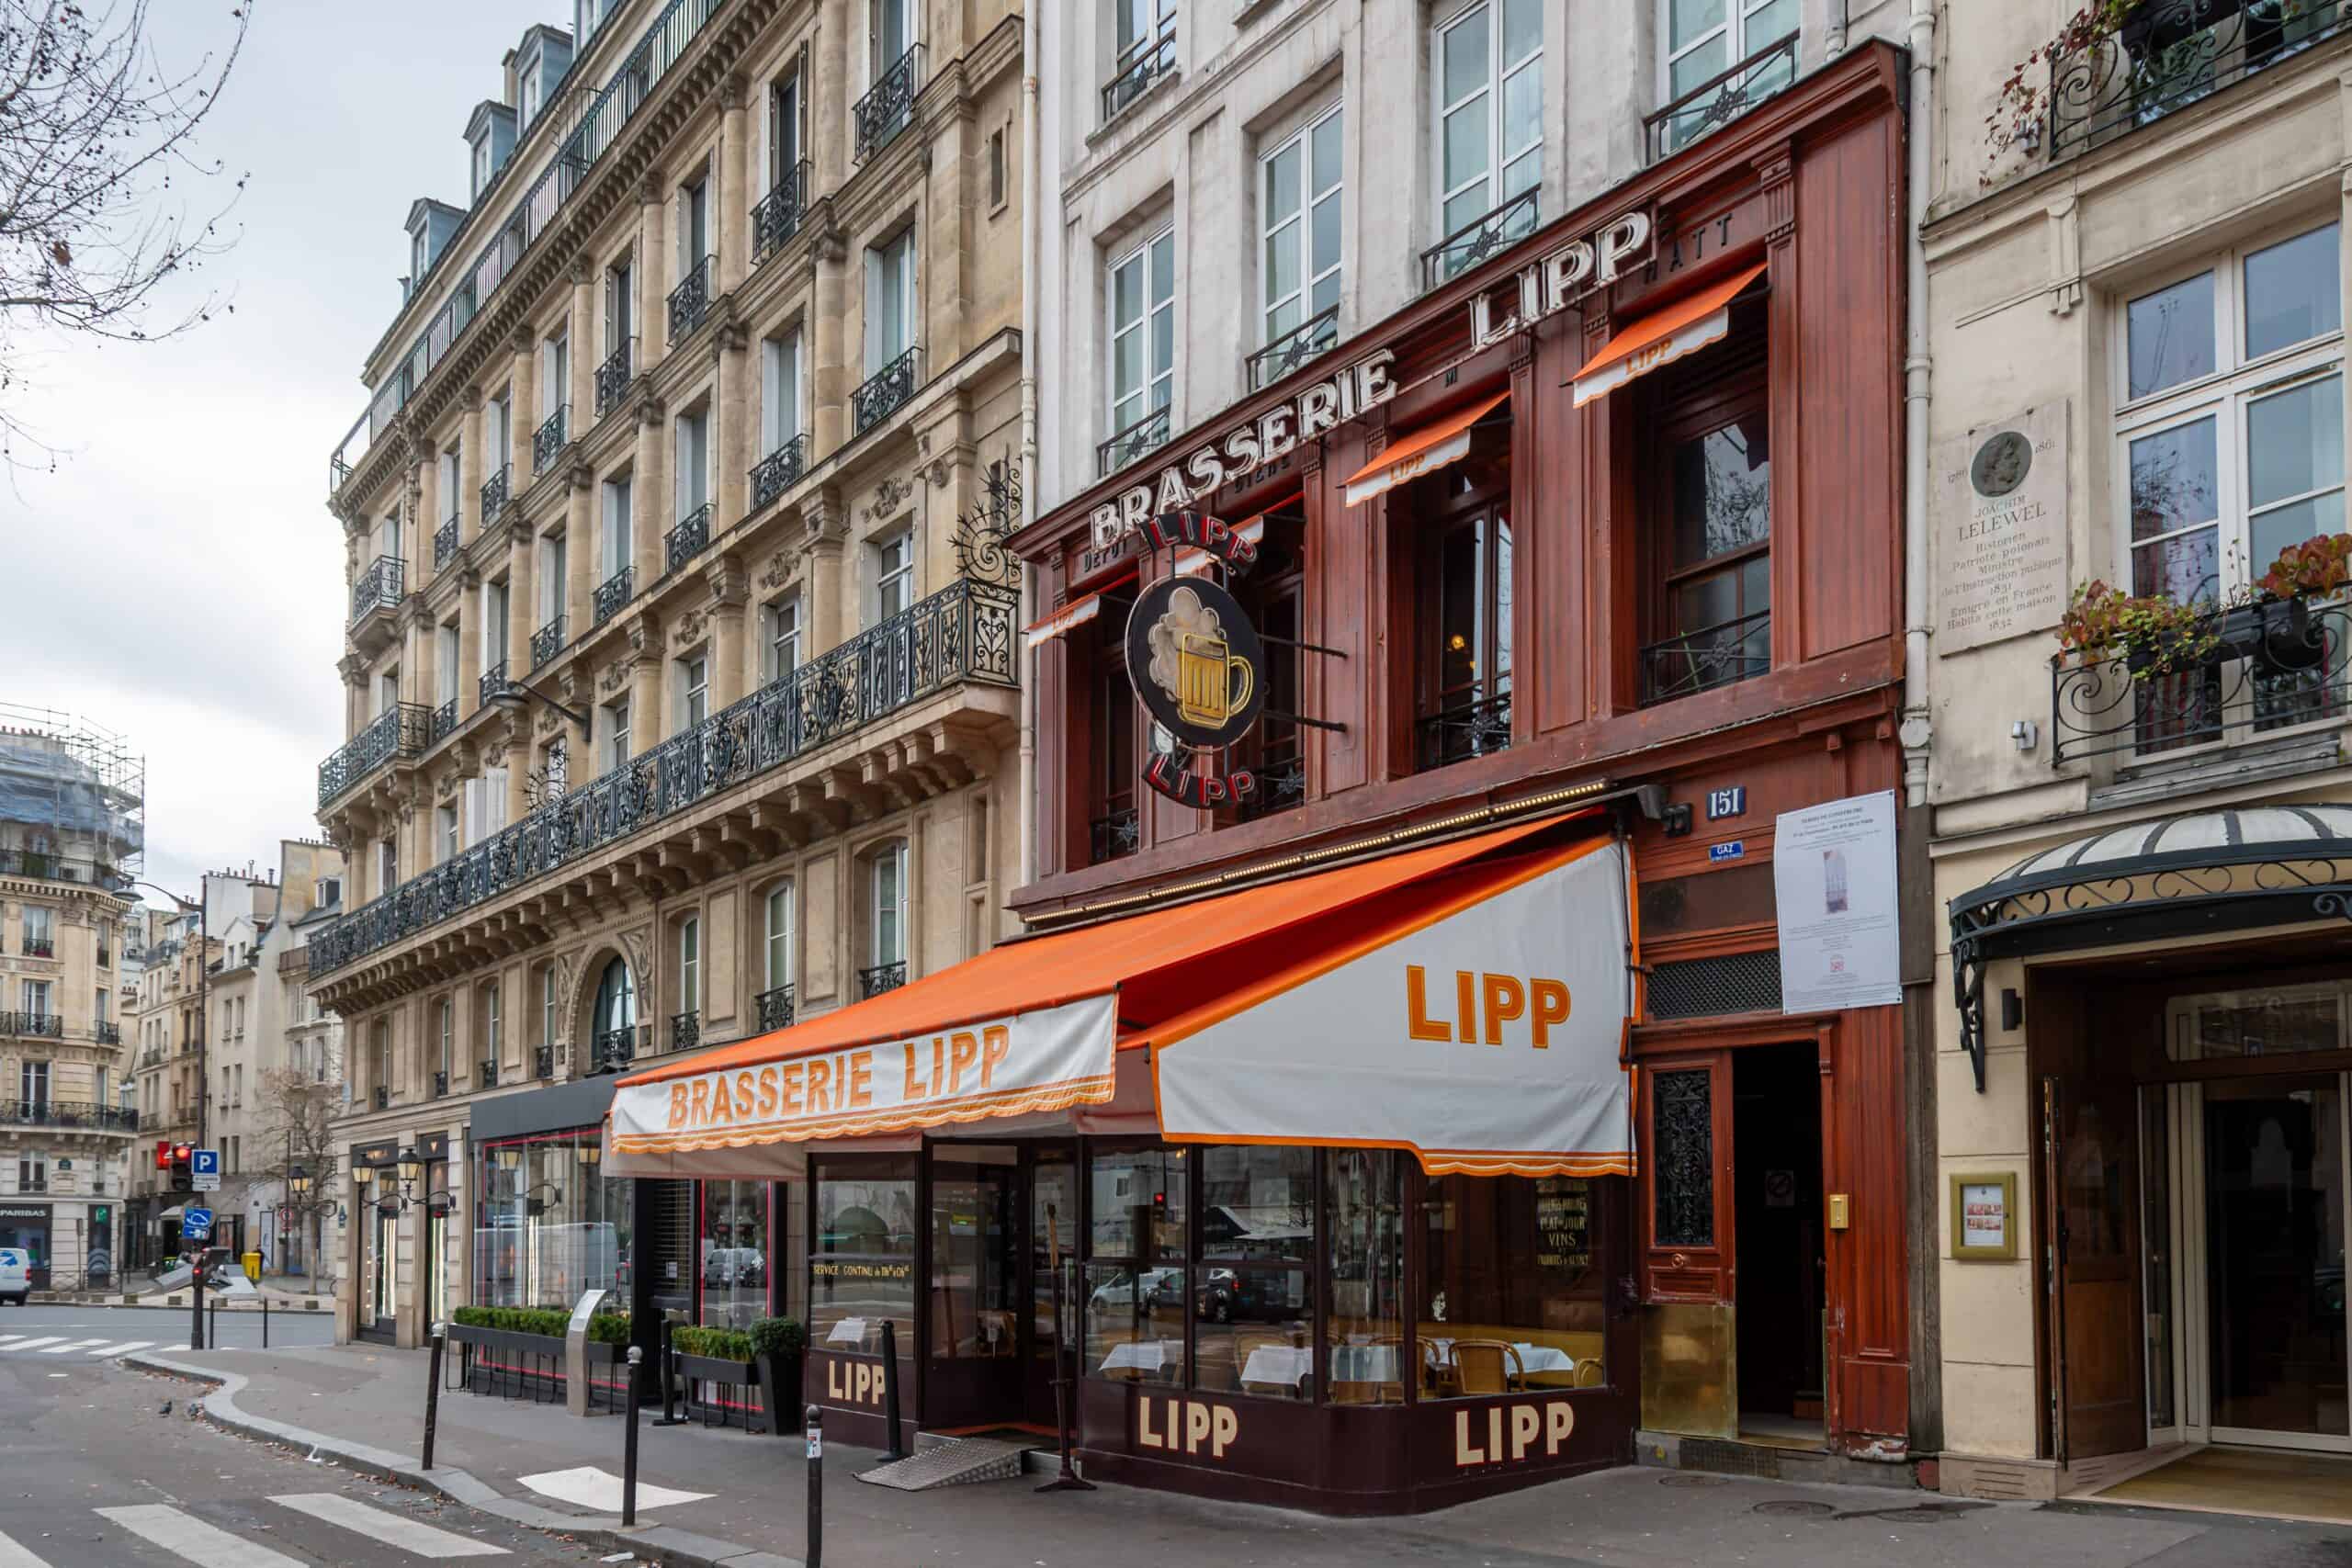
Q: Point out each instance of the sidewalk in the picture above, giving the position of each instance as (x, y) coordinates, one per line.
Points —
(372, 1398)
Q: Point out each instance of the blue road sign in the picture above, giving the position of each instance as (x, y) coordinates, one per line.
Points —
(196, 1225)
(204, 1162)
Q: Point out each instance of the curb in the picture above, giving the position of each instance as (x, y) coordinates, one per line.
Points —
(658, 1543)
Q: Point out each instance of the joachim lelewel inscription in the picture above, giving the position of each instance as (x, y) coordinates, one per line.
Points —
(2001, 565)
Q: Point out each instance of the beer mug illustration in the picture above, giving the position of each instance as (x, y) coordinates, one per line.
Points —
(1212, 685)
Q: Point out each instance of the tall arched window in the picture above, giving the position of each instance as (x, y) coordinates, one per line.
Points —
(616, 1019)
(775, 994)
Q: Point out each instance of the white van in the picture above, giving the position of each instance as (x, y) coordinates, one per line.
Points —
(15, 1275)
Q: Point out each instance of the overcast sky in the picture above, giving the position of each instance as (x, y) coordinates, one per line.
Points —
(179, 578)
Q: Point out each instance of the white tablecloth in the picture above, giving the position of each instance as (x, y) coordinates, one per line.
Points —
(1533, 1358)
(1148, 1355)
(848, 1331)
(1285, 1364)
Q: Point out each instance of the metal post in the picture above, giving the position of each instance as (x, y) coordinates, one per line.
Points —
(264, 1321)
(628, 1443)
(432, 1390)
(665, 1352)
(195, 1307)
(1064, 1378)
(816, 1488)
(890, 1386)
(216, 1323)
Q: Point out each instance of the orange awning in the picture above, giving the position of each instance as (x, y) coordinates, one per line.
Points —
(1077, 612)
(1662, 337)
(1425, 451)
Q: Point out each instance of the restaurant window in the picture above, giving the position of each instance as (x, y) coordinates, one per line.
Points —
(1512, 1285)
(1461, 515)
(1254, 1292)
(549, 1224)
(1115, 766)
(862, 1260)
(1363, 1198)
(734, 1253)
(1135, 1264)
(1272, 595)
(1487, 77)
(1711, 572)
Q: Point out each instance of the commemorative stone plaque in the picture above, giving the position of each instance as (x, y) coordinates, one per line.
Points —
(2002, 561)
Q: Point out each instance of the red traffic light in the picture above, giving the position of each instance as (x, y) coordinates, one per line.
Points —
(164, 1154)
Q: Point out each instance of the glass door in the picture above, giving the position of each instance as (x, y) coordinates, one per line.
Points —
(1053, 1244)
(972, 1327)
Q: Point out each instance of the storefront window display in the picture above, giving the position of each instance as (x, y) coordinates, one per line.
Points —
(1363, 1196)
(862, 1260)
(1256, 1306)
(1135, 1277)
(735, 1251)
(548, 1224)
(1512, 1287)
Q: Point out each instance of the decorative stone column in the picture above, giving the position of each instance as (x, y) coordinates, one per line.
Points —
(730, 592)
(653, 276)
(734, 212)
(825, 525)
(523, 411)
(653, 504)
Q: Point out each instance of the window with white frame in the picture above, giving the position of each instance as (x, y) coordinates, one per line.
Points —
(782, 636)
(1704, 39)
(388, 690)
(2229, 416)
(40, 932)
(694, 462)
(693, 222)
(889, 299)
(481, 163)
(891, 31)
(617, 522)
(552, 587)
(492, 1024)
(417, 258)
(447, 837)
(445, 660)
(546, 1004)
(1487, 74)
(1143, 32)
(894, 574)
(690, 964)
(555, 372)
(783, 128)
(498, 435)
(529, 107)
(693, 686)
(615, 733)
(889, 908)
(34, 995)
(1299, 228)
(448, 1038)
(780, 936)
(32, 1083)
(779, 390)
(620, 303)
(448, 483)
(493, 622)
(388, 536)
(1143, 330)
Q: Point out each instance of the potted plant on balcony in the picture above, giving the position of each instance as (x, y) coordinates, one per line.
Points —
(2156, 634)
(2281, 629)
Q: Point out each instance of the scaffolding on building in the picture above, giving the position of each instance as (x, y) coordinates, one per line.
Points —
(73, 799)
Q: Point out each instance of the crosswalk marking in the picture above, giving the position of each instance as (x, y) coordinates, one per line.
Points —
(412, 1536)
(36, 1344)
(125, 1348)
(192, 1540)
(76, 1345)
(8, 1339)
(15, 1556)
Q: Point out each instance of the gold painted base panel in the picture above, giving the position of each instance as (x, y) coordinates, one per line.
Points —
(1690, 1368)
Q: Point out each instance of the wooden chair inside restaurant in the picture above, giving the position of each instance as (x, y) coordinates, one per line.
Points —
(997, 1334)
(1487, 1366)
(1590, 1373)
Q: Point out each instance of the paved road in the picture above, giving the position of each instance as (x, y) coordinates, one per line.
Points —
(72, 1331)
(92, 1476)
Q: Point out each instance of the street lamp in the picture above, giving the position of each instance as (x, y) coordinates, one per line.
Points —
(518, 695)
(509, 1160)
(411, 1170)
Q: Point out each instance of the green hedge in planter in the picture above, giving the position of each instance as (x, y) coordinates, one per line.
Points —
(778, 1336)
(554, 1322)
(768, 1337)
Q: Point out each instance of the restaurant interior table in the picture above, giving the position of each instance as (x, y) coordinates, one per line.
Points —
(1153, 1356)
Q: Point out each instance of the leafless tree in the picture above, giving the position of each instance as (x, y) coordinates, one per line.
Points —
(298, 1111)
(96, 146)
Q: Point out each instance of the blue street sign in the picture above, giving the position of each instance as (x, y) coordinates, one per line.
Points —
(196, 1225)
(1735, 849)
(204, 1162)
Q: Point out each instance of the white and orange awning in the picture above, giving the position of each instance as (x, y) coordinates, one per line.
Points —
(1466, 1002)
(1074, 614)
(1425, 451)
(1662, 337)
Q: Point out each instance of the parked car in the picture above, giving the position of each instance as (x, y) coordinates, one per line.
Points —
(1158, 1287)
(15, 1275)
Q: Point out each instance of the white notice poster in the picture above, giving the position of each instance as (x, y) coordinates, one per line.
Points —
(1833, 873)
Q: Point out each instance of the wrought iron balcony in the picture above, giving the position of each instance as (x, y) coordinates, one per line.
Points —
(86, 1114)
(1146, 435)
(2257, 670)
(441, 1085)
(1141, 64)
(611, 1050)
(1458, 733)
(1701, 660)
(2170, 53)
(382, 1098)
(42, 866)
(548, 443)
(881, 977)
(1488, 234)
(613, 376)
(37, 946)
(775, 1007)
(690, 302)
(885, 392)
(685, 541)
(492, 681)
(611, 594)
(1112, 835)
(1722, 98)
(685, 1031)
(41, 1025)
(1282, 780)
(546, 642)
(966, 633)
(397, 731)
(381, 584)
(444, 720)
(107, 1033)
(543, 1061)
(494, 493)
(444, 544)
(486, 1073)
(779, 470)
(1303, 344)
(777, 217)
(889, 109)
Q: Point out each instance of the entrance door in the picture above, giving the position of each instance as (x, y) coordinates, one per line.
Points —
(1053, 1244)
(1777, 1198)
(973, 1324)
(376, 1317)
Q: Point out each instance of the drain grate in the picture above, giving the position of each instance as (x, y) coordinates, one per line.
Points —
(1793, 1508)
(1685, 1478)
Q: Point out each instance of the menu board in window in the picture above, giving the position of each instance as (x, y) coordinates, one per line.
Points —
(1563, 1223)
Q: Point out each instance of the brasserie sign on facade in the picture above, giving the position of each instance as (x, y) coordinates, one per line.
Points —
(1561, 279)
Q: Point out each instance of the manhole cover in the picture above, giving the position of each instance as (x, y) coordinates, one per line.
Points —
(1689, 1480)
(1793, 1508)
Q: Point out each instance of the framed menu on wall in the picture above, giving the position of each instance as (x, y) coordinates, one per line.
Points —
(1985, 1216)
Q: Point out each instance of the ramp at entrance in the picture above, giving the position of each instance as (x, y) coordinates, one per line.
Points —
(951, 1461)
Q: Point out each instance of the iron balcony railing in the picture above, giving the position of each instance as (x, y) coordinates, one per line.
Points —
(2253, 671)
(82, 1113)
(685, 541)
(398, 731)
(779, 470)
(889, 107)
(1112, 835)
(380, 585)
(548, 443)
(1722, 98)
(445, 545)
(612, 1050)
(965, 633)
(42, 866)
(37, 946)
(382, 1098)
(774, 1006)
(1696, 661)
(1466, 730)
(546, 642)
(441, 1085)
(613, 376)
(1141, 64)
(107, 1033)
(486, 1073)
(444, 720)
(885, 392)
(1146, 435)
(881, 977)
(2170, 53)
(685, 1031)
(42, 1025)
(492, 681)
(611, 594)
(1303, 344)
(777, 217)
(690, 302)
(494, 493)
(1490, 233)
(543, 1061)
(598, 125)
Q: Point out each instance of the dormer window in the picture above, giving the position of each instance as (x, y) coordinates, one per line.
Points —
(481, 165)
(530, 93)
(416, 256)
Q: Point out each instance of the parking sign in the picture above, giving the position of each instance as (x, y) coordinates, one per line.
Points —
(204, 1167)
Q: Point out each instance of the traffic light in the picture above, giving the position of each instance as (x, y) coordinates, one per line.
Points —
(183, 1180)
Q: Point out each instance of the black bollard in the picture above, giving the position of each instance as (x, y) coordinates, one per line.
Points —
(816, 1488)
(890, 1386)
(195, 1308)
(432, 1389)
(628, 1443)
(216, 1323)
(666, 1352)
(265, 1323)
